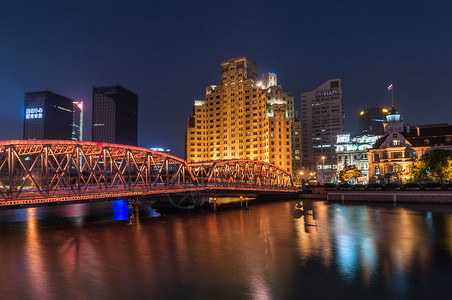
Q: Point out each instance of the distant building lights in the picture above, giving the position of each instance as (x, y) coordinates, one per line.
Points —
(385, 110)
(200, 102)
(361, 113)
(160, 149)
(79, 104)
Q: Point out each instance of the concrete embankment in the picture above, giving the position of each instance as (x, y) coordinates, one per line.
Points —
(313, 196)
(419, 196)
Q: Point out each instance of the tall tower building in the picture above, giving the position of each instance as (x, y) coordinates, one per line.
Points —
(297, 174)
(371, 120)
(47, 116)
(243, 118)
(278, 100)
(77, 121)
(115, 115)
(322, 118)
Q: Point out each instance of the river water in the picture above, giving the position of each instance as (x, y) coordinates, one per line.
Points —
(271, 251)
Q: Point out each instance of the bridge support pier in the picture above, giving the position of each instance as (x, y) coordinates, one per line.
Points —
(132, 204)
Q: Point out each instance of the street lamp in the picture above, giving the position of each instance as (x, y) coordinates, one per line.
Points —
(323, 172)
(301, 178)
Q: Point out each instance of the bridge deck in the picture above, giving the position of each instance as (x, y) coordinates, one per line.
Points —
(33, 198)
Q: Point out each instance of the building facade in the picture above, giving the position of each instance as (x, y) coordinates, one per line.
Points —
(352, 151)
(297, 173)
(393, 156)
(322, 119)
(77, 121)
(283, 104)
(243, 118)
(115, 116)
(47, 116)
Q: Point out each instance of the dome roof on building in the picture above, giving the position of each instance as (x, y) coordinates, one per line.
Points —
(393, 111)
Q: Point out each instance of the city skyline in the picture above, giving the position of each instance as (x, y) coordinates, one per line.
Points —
(168, 54)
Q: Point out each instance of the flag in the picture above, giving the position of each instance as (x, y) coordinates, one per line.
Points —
(390, 87)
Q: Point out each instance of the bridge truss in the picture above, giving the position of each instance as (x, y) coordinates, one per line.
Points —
(242, 173)
(51, 170)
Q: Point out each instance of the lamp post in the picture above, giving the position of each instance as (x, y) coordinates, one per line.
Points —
(323, 172)
(301, 178)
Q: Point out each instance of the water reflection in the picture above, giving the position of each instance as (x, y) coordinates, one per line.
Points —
(365, 243)
(286, 250)
(120, 210)
(309, 214)
(33, 257)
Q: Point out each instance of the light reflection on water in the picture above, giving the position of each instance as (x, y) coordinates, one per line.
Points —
(114, 250)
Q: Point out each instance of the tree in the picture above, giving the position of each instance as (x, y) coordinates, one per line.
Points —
(388, 177)
(436, 163)
(399, 175)
(349, 173)
(419, 171)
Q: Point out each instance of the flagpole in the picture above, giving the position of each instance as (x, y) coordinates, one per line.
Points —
(392, 93)
(391, 88)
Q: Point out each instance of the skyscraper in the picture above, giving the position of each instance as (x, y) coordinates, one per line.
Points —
(243, 118)
(47, 116)
(296, 149)
(77, 121)
(322, 118)
(372, 120)
(282, 104)
(115, 115)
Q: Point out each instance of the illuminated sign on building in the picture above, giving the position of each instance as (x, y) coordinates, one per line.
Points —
(160, 149)
(33, 113)
(343, 138)
(327, 93)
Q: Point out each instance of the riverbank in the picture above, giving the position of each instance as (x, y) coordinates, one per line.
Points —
(393, 196)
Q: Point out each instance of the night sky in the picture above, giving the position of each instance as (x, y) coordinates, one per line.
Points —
(169, 51)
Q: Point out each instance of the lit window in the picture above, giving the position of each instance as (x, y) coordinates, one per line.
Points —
(396, 169)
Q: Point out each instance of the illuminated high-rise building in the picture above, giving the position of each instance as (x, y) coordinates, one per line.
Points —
(47, 116)
(243, 118)
(372, 120)
(322, 119)
(280, 101)
(115, 115)
(77, 121)
(296, 150)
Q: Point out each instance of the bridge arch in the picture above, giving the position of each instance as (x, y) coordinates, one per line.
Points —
(241, 172)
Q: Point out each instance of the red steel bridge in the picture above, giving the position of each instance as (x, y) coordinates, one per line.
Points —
(55, 171)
